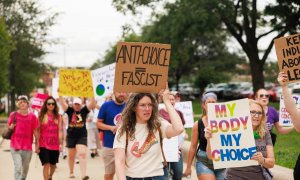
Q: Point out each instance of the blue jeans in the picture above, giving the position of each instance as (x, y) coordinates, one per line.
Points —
(21, 160)
(175, 169)
(204, 166)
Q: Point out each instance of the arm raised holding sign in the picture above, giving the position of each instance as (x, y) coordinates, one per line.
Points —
(289, 101)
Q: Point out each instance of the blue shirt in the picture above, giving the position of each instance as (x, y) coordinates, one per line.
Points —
(110, 112)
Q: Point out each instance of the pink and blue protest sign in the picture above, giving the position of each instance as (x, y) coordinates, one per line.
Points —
(232, 142)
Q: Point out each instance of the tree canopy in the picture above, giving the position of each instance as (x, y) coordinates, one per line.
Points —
(242, 19)
(28, 26)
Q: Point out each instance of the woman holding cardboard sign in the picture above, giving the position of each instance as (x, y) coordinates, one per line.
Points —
(264, 149)
(138, 142)
(204, 166)
(293, 111)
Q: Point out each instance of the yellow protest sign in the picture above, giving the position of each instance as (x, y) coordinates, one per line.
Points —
(75, 82)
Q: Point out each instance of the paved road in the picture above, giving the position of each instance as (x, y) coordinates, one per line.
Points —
(95, 167)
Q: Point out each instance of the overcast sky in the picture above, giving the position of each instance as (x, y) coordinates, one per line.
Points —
(85, 28)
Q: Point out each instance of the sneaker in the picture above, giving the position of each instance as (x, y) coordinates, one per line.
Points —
(93, 155)
(77, 161)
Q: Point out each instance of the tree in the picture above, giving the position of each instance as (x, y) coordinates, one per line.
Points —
(28, 26)
(245, 23)
(5, 49)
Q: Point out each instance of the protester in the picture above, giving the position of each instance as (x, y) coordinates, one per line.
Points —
(177, 96)
(138, 144)
(21, 141)
(262, 96)
(175, 167)
(204, 166)
(293, 111)
(50, 136)
(77, 133)
(92, 131)
(109, 119)
(264, 149)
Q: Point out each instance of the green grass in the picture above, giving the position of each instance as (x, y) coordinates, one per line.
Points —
(287, 146)
(286, 149)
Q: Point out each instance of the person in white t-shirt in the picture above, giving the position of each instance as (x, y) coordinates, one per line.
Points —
(138, 142)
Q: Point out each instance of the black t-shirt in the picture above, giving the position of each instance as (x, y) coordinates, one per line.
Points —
(76, 125)
(201, 136)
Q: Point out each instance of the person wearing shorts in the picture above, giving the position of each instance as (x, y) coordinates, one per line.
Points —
(50, 136)
(76, 133)
(109, 118)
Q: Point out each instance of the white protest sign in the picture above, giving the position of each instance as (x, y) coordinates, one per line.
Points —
(103, 80)
(284, 116)
(232, 142)
(186, 108)
(170, 147)
(55, 83)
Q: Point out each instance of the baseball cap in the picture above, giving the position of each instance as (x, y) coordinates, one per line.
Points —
(77, 101)
(23, 97)
(175, 93)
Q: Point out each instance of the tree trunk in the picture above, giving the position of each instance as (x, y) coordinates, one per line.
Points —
(12, 82)
(256, 67)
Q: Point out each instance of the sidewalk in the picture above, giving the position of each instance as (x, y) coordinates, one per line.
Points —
(95, 167)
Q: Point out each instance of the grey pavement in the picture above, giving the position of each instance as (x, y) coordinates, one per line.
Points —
(95, 167)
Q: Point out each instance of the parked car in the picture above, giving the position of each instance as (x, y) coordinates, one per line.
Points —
(231, 90)
(218, 89)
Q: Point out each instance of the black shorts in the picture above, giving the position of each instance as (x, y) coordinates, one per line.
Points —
(72, 141)
(48, 156)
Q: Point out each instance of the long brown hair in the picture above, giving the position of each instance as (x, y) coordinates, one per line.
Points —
(129, 115)
(44, 110)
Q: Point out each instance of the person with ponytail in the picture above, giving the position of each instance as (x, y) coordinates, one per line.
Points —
(50, 136)
(204, 166)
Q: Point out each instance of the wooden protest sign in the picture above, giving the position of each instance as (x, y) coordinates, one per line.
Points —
(284, 116)
(288, 56)
(103, 80)
(75, 82)
(141, 67)
(232, 142)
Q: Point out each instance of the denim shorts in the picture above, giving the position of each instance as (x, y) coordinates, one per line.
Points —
(202, 167)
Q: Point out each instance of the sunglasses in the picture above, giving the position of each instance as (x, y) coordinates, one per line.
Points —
(264, 95)
(53, 104)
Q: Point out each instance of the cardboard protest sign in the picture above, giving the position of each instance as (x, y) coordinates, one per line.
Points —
(284, 116)
(186, 108)
(288, 56)
(38, 100)
(170, 147)
(141, 67)
(75, 82)
(103, 80)
(232, 142)
(55, 83)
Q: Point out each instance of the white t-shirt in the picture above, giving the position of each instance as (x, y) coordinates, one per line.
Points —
(93, 114)
(142, 163)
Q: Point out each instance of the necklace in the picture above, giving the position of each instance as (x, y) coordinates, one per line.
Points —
(256, 135)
